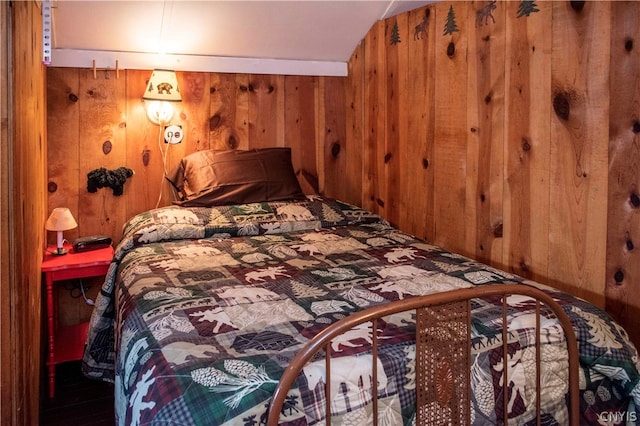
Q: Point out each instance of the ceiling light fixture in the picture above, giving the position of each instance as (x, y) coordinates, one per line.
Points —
(162, 90)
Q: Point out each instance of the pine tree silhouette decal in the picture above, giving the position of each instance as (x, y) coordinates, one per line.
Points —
(395, 34)
(450, 26)
(526, 8)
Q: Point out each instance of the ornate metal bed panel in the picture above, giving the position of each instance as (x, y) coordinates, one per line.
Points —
(443, 342)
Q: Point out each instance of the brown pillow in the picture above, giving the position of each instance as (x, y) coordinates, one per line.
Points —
(213, 178)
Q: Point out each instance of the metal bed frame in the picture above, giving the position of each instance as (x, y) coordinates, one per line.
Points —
(442, 359)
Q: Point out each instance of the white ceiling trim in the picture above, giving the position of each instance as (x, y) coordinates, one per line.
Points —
(135, 60)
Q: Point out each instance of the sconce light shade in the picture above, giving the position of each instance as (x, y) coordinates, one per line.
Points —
(161, 90)
(162, 86)
(60, 220)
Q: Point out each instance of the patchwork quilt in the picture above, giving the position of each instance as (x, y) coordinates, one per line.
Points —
(203, 308)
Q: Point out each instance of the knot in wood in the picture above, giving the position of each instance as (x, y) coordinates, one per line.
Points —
(232, 142)
(561, 106)
(628, 45)
(106, 147)
(335, 149)
(214, 122)
(577, 5)
(146, 156)
(451, 49)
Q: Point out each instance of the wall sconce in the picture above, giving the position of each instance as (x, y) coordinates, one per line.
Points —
(60, 220)
(161, 91)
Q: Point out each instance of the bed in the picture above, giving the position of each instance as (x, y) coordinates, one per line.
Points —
(208, 301)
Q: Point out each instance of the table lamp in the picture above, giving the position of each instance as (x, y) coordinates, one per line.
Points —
(60, 220)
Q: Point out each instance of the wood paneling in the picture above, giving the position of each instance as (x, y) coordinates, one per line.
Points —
(101, 122)
(451, 127)
(417, 163)
(6, 325)
(527, 141)
(63, 158)
(265, 117)
(395, 140)
(578, 166)
(222, 128)
(485, 140)
(518, 173)
(354, 137)
(300, 121)
(142, 144)
(374, 185)
(192, 114)
(623, 232)
(332, 152)
(101, 144)
(23, 164)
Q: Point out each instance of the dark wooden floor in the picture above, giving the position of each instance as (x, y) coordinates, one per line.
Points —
(78, 400)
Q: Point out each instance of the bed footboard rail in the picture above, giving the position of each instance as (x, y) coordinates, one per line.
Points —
(443, 383)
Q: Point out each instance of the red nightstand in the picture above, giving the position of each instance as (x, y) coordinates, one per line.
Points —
(67, 343)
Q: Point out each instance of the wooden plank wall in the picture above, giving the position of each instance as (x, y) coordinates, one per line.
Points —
(7, 268)
(23, 202)
(580, 101)
(101, 122)
(528, 139)
(623, 224)
(530, 151)
(6, 367)
(460, 122)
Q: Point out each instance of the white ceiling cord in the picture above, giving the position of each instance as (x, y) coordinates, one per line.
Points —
(161, 34)
(386, 12)
(163, 155)
(165, 15)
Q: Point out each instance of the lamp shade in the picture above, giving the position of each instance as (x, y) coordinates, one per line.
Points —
(162, 86)
(61, 219)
